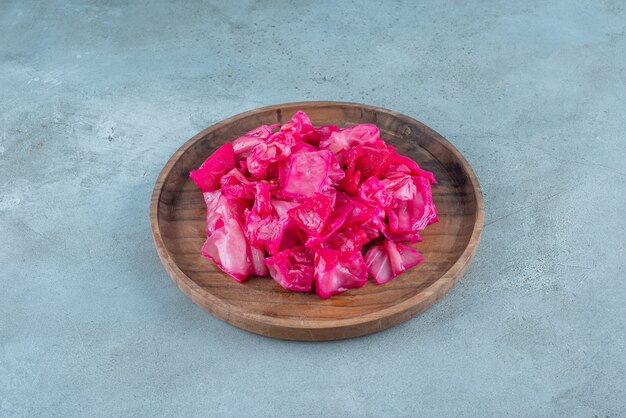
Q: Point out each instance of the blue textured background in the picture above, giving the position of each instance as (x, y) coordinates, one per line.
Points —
(95, 97)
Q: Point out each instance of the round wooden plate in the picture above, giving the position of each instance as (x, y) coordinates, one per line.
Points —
(260, 305)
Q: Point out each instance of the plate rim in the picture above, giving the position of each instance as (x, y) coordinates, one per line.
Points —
(391, 315)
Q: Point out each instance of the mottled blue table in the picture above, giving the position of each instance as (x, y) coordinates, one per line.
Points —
(95, 97)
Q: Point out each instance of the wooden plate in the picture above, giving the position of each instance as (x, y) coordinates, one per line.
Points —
(260, 305)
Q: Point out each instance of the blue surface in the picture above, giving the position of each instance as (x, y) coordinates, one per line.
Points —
(96, 96)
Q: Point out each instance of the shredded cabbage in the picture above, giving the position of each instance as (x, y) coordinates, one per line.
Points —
(317, 208)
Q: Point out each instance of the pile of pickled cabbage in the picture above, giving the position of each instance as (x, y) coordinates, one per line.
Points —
(319, 209)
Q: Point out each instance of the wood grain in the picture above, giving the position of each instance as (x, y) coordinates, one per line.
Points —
(177, 218)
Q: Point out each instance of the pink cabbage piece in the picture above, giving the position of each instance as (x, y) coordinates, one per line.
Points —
(229, 249)
(208, 176)
(283, 207)
(361, 212)
(400, 185)
(414, 168)
(235, 184)
(266, 231)
(351, 180)
(274, 231)
(222, 208)
(303, 147)
(411, 237)
(258, 261)
(261, 162)
(263, 200)
(335, 173)
(349, 238)
(415, 214)
(285, 165)
(368, 160)
(385, 261)
(324, 131)
(211, 200)
(308, 174)
(374, 193)
(363, 134)
(371, 231)
(244, 144)
(292, 269)
(338, 271)
(312, 214)
(301, 128)
(382, 227)
(335, 220)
